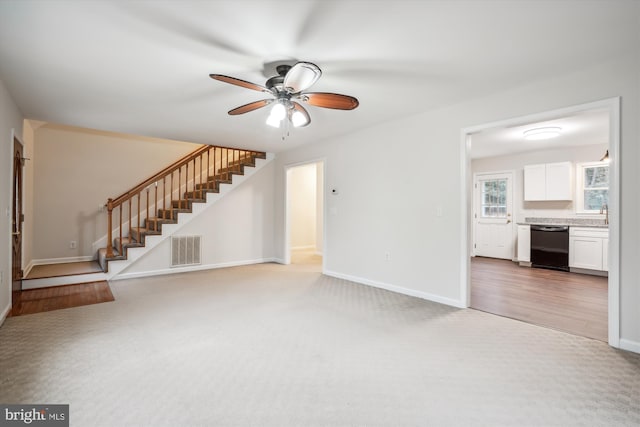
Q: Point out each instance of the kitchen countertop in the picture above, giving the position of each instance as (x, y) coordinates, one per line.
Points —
(571, 222)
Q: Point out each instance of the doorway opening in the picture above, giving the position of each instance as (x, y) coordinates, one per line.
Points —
(503, 284)
(304, 240)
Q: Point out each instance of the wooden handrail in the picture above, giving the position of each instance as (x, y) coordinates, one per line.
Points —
(164, 172)
(232, 158)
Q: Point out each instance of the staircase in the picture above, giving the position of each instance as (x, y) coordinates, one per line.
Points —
(159, 200)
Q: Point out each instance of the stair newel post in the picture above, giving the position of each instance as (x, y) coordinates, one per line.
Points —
(208, 162)
(226, 160)
(130, 202)
(120, 232)
(138, 204)
(155, 204)
(171, 194)
(200, 172)
(109, 228)
(179, 188)
(216, 170)
(146, 220)
(193, 183)
(236, 161)
(164, 196)
(186, 180)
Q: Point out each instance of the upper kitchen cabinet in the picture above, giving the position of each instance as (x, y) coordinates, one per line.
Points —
(549, 181)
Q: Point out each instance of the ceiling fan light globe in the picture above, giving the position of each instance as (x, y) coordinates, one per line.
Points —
(298, 119)
(273, 121)
(301, 76)
(278, 112)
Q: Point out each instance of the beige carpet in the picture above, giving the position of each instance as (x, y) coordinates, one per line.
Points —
(272, 345)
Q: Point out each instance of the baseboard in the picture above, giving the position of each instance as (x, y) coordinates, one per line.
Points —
(191, 268)
(4, 314)
(629, 345)
(27, 269)
(397, 289)
(278, 261)
(46, 261)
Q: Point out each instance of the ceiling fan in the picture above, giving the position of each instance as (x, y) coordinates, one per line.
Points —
(287, 88)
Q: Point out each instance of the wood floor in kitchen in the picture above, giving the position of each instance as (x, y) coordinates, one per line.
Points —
(570, 302)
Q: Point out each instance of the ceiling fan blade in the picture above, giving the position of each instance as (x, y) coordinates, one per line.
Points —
(238, 82)
(330, 100)
(250, 107)
(301, 76)
(299, 120)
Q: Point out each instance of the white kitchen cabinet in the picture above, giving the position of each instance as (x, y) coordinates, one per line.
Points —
(588, 248)
(535, 181)
(524, 243)
(549, 181)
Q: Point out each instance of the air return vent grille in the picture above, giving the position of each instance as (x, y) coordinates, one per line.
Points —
(185, 250)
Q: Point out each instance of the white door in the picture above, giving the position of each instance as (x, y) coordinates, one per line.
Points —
(493, 194)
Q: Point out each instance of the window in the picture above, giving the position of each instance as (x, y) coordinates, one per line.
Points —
(593, 187)
(494, 198)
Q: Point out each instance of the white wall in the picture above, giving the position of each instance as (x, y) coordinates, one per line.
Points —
(76, 171)
(390, 206)
(11, 119)
(303, 205)
(319, 206)
(516, 162)
(237, 229)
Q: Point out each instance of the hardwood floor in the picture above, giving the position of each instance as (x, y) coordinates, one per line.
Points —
(571, 302)
(65, 269)
(58, 297)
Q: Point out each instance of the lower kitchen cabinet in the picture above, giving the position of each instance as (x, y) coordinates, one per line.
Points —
(588, 248)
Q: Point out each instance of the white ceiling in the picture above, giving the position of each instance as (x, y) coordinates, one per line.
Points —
(587, 128)
(142, 67)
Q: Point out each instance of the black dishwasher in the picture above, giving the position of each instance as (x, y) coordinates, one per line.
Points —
(550, 247)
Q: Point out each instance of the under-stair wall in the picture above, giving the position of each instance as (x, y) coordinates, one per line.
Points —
(76, 170)
(235, 230)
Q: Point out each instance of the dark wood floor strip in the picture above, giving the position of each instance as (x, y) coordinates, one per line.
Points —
(59, 297)
(570, 302)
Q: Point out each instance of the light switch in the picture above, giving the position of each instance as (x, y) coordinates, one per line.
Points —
(439, 210)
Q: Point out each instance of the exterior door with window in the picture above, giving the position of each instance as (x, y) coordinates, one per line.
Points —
(493, 226)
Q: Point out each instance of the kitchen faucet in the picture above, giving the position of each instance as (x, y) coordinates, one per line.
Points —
(604, 209)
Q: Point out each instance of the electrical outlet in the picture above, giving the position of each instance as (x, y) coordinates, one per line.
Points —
(73, 244)
(387, 256)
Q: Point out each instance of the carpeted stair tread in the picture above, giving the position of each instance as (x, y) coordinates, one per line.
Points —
(155, 223)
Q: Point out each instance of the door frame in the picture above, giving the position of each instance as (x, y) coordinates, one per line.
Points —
(14, 141)
(475, 201)
(612, 105)
(287, 213)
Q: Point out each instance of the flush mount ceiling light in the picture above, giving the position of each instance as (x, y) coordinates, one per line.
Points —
(288, 88)
(542, 133)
